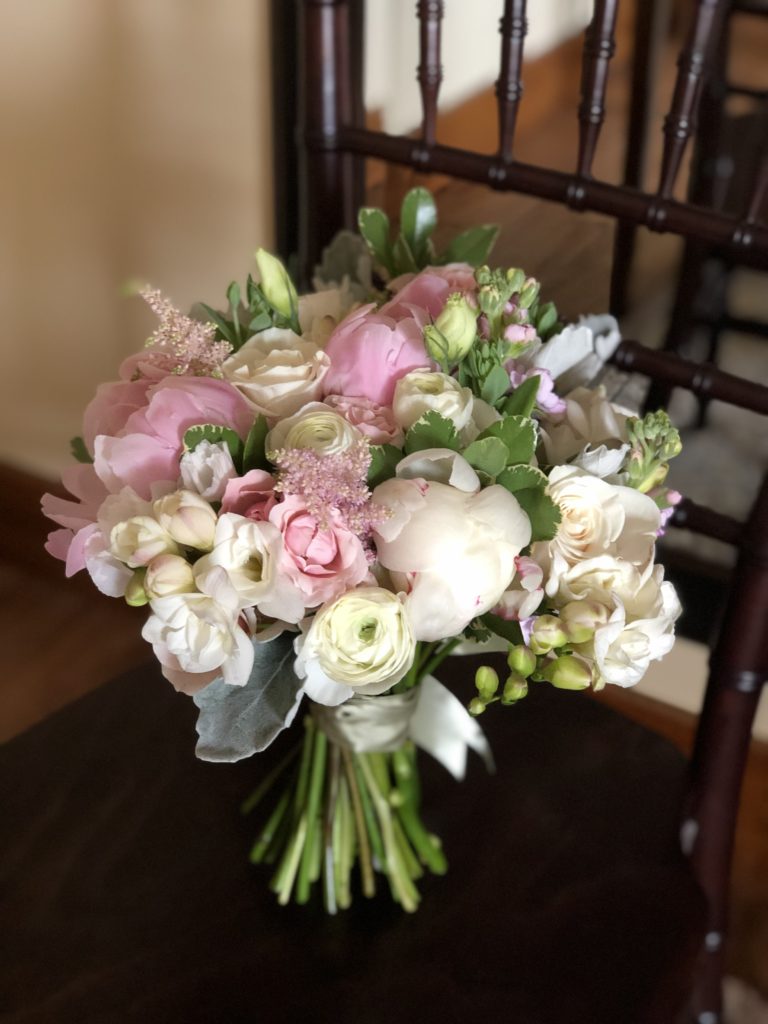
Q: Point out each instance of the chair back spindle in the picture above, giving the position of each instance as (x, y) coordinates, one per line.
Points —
(509, 86)
(430, 70)
(599, 48)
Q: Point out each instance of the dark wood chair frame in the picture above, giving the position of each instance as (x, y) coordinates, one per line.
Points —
(332, 143)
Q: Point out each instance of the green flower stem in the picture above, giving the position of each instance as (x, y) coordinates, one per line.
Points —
(259, 848)
(289, 866)
(282, 833)
(439, 657)
(410, 859)
(403, 887)
(316, 858)
(300, 792)
(372, 826)
(364, 846)
(315, 787)
(329, 818)
(343, 847)
(424, 843)
(269, 779)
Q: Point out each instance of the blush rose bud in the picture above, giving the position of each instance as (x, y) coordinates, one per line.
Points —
(135, 594)
(580, 619)
(568, 673)
(276, 284)
(169, 574)
(453, 333)
(547, 634)
(515, 688)
(522, 660)
(487, 682)
(188, 519)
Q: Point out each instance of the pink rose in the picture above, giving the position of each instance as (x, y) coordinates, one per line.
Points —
(322, 562)
(113, 404)
(423, 295)
(370, 352)
(375, 421)
(252, 495)
(148, 448)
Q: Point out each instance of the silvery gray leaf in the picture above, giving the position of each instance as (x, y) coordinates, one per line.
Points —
(238, 721)
(347, 257)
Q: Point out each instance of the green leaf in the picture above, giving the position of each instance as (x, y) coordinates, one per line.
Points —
(523, 398)
(506, 629)
(374, 227)
(546, 320)
(224, 327)
(488, 455)
(521, 478)
(543, 513)
(233, 298)
(253, 452)
(215, 434)
(79, 451)
(260, 323)
(403, 260)
(418, 218)
(384, 458)
(495, 385)
(519, 435)
(431, 431)
(472, 246)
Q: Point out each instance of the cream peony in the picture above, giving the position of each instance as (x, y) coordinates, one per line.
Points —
(453, 552)
(360, 643)
(277, 372)
(422, 391)
(315, 426)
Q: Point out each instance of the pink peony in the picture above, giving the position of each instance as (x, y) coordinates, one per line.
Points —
(113, 404)
(423, 295)
(252, 495)
(370, 352)
(375, 421)
(322, 562)
(75, 517)
(148, 448)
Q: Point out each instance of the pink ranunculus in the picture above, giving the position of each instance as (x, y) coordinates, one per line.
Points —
(423, 295)
(322, 561)
(113, 404)
(148, 448)
(375, 421)
(252, 495)
(370, 352)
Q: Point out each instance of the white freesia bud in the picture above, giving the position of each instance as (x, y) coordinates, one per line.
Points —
(422, 391)
(547, 633)
(360, 643)
(276, 284)
(568, 672)
(188, 518)
(168, 574)
(453, 333)
(136, 541)
(135, 594)
(580, 619)
(207, 469)
(315, 426)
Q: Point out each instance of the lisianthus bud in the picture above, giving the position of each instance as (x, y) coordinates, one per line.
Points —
(522, 660)
(169, 574)
(515, 689)
(580, 619)
(487, 682)
(451, 336)
(135, 594)
(568, 672)
(547, 633)
(276, 284)
(188, 519)
(476, 706)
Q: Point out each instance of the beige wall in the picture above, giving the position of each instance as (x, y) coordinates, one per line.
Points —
(136, 144)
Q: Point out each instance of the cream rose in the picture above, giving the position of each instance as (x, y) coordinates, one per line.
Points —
(277, 372)
(315, 426)
(422, 391)
(360, 643)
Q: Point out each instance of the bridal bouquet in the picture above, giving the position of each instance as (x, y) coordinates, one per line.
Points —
(321, 497)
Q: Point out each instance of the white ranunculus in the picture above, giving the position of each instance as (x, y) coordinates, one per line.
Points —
(451, 551)
(598, 518)
(250, 552)
(422, 391)
(315, 426)
(441, 465)
(277, 372)
(187, 518)
(196, 637)
(624, 647)
(136, 541)
(207, 469)
(591, 431)
(360, 643)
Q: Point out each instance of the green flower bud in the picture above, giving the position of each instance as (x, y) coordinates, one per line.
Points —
(580, 619)
(135, 595)
(514, 690)
(522, 660)
(476, 707)
(516, 278)
(568, 672)
(487, 682)
(453, 333)
(547, 633)
(529, 293)
(276, 284)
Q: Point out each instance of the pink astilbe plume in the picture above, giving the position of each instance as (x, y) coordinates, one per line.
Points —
(180, 344)
(331, 482)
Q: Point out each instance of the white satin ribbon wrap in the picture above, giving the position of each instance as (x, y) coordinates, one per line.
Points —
(430, 715)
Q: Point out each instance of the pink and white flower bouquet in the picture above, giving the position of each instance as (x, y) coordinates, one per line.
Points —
(318, 498)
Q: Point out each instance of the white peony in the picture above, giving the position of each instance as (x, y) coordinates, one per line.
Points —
(451, 551)
(422, 391)
(207, 469)
(277, 372)
(315, 426)
(360, 643)
(441, 465)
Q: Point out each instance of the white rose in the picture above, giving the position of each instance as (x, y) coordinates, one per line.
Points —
(187, 518)
(422, 391)
(592, 431)
(196, 637)
(360, 643)
(277, 372)
(168, 574)
(207, 469)
(315, 426)
(138, 540)
(605, 579)
(452, 551)
(250, 552)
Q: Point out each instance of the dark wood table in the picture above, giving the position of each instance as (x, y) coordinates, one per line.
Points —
(126, 894)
